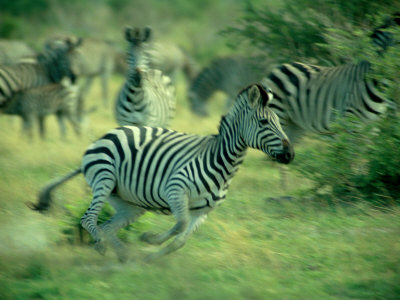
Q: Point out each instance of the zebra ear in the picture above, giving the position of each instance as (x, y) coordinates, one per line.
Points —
(129, 33)
(147, 33)
(254, 95)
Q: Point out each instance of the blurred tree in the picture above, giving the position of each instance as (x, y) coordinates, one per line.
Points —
(294, 29)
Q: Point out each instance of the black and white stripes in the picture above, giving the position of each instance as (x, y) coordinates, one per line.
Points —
(52, 65)
(308, 96)
(145, 168)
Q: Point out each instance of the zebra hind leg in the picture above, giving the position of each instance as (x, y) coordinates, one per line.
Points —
(101, 191)
(125, 214)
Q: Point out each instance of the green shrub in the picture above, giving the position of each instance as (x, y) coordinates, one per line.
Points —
(74, 233)
(295, 30)
(358, 162)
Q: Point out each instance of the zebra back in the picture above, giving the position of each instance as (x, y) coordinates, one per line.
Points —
(12, 51)
(51, 66)
(308, 96)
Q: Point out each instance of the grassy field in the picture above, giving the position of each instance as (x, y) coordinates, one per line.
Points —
(251, 247)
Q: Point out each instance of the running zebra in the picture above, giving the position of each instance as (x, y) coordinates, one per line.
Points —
(226, 74)
(147, 97)
(144, 168)
(37, 103)
(50, 67)
(307, 97)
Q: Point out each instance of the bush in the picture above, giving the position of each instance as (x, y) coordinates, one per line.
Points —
(294, 30)
(359, 162)
(74, 233)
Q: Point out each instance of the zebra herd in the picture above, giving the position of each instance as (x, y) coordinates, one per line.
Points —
(143, 166)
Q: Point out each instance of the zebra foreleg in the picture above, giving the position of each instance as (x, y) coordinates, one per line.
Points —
(180, 209)
(180, 239)
(42, 130)
(27, 125)
(61, 124)
(125, 214)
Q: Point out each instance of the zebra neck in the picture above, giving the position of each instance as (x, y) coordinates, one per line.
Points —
(38, 75)
(229, 145)
(137, 64)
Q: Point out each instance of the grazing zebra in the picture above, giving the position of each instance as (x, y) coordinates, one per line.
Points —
(226, 74)
(145, 168)
(12, 51)
(37, 103)
(147, 96)
(50, 67)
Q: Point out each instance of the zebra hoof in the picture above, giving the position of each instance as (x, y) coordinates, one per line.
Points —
(122, 254)
(100, 247)
(150, 258)
(150, 238)
(123, 257)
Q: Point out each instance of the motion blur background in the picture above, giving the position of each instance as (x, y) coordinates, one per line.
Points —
(333, 238)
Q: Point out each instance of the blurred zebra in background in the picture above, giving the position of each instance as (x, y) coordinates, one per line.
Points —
(13, 51)
(37, 103)
(167, 57)
(93, 58)
(382, 38)
(143, 168)
(170, 59)
(147, 96)
(308, 97)
(225, 74)
(49, 67)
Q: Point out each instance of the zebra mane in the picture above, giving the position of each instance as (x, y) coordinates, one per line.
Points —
(263, 93)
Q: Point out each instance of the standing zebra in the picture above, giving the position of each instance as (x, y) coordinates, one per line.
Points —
(50, 67)
(37, 103)
(147, 97)
(144, 168)
(226, 74)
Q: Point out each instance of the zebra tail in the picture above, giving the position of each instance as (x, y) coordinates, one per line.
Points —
(45, 193)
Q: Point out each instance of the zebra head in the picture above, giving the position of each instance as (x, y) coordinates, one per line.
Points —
(260, 128)
(56, 58)
(138, 39)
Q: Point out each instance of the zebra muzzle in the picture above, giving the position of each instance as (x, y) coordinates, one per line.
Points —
(287, 154)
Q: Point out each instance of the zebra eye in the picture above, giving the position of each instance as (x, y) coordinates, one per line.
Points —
(263, 122)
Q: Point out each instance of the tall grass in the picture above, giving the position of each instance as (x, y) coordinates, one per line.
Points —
(251, 247)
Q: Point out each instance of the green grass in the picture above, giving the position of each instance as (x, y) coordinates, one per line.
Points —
(248, 248)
